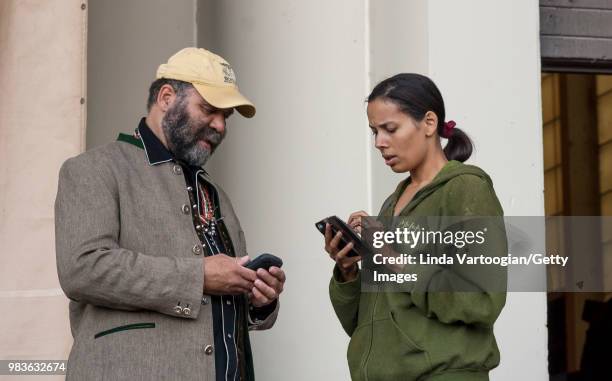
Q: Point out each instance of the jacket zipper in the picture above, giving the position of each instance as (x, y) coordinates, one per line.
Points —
(367, 357)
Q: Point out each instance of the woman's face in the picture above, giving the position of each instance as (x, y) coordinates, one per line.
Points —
(402, 141)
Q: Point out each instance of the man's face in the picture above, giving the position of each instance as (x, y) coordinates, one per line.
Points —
(193, 128)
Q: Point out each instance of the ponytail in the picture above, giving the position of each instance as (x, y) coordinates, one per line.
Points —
(459, 146)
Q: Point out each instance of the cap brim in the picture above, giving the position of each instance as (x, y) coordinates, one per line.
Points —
(226, 97)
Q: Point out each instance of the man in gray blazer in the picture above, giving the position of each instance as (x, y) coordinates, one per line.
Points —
(149, 249)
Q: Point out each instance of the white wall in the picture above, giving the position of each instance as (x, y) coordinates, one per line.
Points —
(300, 159)
(127, 41)
(399, 37)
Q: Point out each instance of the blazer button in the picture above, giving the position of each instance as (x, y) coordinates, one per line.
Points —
(177, 169)
(197, 249)
(208, 349)
(185, 209)
(178, 309)
(187, 311)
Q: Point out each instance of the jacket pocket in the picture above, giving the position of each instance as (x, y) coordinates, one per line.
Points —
(394, 354)
(407, 340)
(124, 328)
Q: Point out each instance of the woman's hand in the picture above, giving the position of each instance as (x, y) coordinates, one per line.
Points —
(347, 265)
(354, 220)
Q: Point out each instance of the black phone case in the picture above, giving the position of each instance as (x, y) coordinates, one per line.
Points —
(348, 235)
(264, 261)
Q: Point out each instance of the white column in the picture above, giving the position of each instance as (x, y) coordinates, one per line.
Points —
(484, 55)
(42, 71)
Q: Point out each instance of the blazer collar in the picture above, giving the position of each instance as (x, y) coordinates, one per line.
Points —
(155, 151)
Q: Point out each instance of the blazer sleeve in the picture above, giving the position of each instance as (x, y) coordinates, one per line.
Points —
(93, 269)
(480, 295)
(260, 318)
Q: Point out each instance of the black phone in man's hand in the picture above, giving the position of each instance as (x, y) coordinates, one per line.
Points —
(264, 261)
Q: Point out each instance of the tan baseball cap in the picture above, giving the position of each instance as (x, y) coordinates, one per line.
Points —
(211, 75)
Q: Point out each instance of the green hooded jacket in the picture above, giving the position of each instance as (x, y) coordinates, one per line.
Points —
(421, 335)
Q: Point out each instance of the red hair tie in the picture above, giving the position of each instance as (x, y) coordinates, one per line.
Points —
(448, 129)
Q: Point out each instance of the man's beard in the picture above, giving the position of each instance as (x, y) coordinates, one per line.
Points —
(183, 133)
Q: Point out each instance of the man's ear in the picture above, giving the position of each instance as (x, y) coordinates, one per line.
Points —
(431, 123)
(165, 97)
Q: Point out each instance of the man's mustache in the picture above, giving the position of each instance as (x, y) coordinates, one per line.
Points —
(211, 135)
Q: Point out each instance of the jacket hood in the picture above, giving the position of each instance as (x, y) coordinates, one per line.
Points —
(450, 170)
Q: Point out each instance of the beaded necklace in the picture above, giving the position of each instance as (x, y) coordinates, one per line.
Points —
(207, 215)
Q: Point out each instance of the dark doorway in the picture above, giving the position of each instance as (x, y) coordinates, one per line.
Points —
(577, 116)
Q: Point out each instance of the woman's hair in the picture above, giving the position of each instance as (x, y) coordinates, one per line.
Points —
(415, 95)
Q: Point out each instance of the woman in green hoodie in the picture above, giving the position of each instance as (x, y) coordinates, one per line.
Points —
(422, 333)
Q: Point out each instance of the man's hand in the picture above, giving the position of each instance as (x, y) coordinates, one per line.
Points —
(225, 275)
(267, 286)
